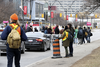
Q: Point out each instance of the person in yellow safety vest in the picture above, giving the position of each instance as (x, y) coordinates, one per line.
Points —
(66, 42)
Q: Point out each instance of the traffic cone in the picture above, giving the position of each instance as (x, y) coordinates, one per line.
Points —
(56, 49)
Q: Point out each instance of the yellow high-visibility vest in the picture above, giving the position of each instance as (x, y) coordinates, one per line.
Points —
(65, 36)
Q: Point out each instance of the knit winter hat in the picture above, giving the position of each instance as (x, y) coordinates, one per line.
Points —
(14, 16)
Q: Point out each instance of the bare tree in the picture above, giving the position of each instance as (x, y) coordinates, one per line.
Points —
(6, 10)
(93, 4)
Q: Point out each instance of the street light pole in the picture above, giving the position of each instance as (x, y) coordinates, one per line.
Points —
(67, 17)
(31, 2)
(22, 3)
(50, 14)
(87, 18)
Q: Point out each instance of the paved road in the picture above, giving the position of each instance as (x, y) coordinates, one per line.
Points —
(31, 57)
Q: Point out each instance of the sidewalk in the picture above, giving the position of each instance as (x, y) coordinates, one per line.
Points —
(79, 52)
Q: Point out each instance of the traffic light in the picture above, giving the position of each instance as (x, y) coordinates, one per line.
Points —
(64, 17)
(30, 16)
(60, 14)
(42, 15)
(95, 15)
(70, 15)
(40, 22)
(76, 16)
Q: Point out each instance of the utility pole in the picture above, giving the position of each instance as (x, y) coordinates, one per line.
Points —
(67, 17)
(50, 14)
(23, 11)
(31, 9)
(87, 17)
(31, 6)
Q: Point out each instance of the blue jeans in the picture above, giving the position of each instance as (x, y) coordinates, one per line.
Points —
(76, 40)
(88, 38)
(13, 53)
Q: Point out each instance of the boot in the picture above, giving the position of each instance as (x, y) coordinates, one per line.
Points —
(67, 56)
(70, 55)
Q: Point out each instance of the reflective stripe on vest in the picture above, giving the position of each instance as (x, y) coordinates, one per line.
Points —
(66, 33)
(14, 26)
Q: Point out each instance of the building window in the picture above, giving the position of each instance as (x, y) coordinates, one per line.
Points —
(10, 0)
(39, 9)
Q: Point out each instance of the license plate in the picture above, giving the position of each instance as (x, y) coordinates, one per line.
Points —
(30, 40)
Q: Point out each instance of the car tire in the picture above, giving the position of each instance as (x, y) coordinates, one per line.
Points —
(44, 48)
(49, 48)
(28, 48)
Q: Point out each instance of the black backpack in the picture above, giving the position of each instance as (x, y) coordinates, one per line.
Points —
(69, 36)
(80, 32)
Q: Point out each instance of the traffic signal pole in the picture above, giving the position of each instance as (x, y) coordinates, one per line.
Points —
(23, 11)
(50, 15)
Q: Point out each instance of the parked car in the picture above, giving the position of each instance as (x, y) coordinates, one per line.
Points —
(37, 41)
(3, 44)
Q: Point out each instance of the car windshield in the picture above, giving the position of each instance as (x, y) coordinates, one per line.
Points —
(34, 34)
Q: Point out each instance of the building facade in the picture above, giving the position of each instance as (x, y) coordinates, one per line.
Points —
(66, 5)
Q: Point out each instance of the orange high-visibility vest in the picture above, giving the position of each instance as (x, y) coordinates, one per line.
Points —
(65, 36)
(14, 26)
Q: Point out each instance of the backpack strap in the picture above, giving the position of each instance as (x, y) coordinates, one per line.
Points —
(11, 27)
(17, 28)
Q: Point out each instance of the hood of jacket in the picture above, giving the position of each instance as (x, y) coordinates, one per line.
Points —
(68, 30)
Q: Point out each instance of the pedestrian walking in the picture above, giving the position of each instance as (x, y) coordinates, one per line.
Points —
(71, 41)
(66, 42)
(89, 34)
(80, 35)
(75, 38)
(23, 27)
(85, 33)
(13, 47)
(35, 29)
(29, 29)
(49, 30)
(62, 30)
(57, 30)
(46, 30)
(43, 29)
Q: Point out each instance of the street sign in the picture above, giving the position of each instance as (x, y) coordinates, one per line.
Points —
(25, 10)
(88, 23)
(52, 15)
(5, 21)
(52, 7)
